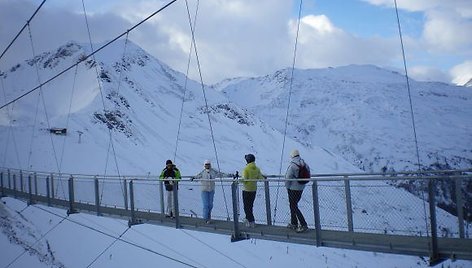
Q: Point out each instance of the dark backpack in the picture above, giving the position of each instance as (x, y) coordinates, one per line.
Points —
(171, 174)
(303, 173)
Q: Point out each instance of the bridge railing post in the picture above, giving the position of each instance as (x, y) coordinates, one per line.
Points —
(161, 196)
(48, 190)
(125, 189)
(35, 176)
(460, 206)
(52, 186)
(133, 220)
(236, 236)
(30, 190)
(9, 180)
(434, 256)
(22, 188)
(15, 194)
(2, 185)
(71, 209)
(131, 199)
(347, 190)
(175, 196)
(316, 212)
(97, 196)
(267, 202)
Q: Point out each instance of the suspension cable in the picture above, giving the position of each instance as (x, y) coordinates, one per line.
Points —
(22, 29)
(41, 97)
(185, 84)
(10, 132)
(117, 238)
(184, 256)
(288, 104)
(86, 57)
(36, 242)
(122, 185)
(213, 248)
(68, 115)
(206, 104)
(109, 246)
(100, 87)
(411, 110)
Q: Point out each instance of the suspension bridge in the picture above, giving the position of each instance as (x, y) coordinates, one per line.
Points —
(339, 209)
(352, 211)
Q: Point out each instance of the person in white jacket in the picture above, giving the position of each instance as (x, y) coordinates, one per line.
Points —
(207, 178)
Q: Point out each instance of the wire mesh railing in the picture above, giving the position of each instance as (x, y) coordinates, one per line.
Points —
(362, 203)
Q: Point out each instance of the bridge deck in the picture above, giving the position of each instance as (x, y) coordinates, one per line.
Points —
(455, 248)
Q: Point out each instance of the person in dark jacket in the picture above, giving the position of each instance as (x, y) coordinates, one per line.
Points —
(169, 175)
(295, 191)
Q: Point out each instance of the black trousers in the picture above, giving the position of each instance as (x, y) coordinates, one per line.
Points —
(248, 201)
(296, 215)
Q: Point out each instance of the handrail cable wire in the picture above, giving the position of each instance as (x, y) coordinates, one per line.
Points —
(288, 105)
(411, 111)
(122, 185)
(213, 248)
(68, 115)
(10, 131)
(206, 104)
(35, 242)
(32, 133)
(118, 238)
(86, 57)
(109, 246)
(41, 96)
(101, 89)
(185, 84)
(22, 29)
(160, 244)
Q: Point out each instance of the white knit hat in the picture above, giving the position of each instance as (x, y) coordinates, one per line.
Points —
(207, 162)
(294, 153)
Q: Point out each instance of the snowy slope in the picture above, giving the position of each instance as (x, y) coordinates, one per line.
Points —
(363, 114)
(136, 102)
(139, 99)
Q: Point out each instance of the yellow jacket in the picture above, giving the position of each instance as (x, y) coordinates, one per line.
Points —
(250, 174)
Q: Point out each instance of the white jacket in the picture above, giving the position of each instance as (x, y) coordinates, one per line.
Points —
(207, 178)
(291, 176)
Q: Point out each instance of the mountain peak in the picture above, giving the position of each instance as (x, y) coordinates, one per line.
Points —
(468, 84)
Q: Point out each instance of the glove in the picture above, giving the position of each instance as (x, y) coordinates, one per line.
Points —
(192, 178)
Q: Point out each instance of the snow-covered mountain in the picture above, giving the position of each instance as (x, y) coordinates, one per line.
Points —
(363, 114)
(136, 103)
(468, 84)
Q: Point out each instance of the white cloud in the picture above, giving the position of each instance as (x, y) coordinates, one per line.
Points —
(447, 24)
(464, 7)
(462, 73)
(234, 37)
(427, 73)
(321, 44)
(446, 31)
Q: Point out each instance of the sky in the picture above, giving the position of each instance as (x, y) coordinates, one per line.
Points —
(253, 38)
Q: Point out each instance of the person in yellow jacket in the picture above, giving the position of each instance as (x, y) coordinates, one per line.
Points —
(250, 175)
